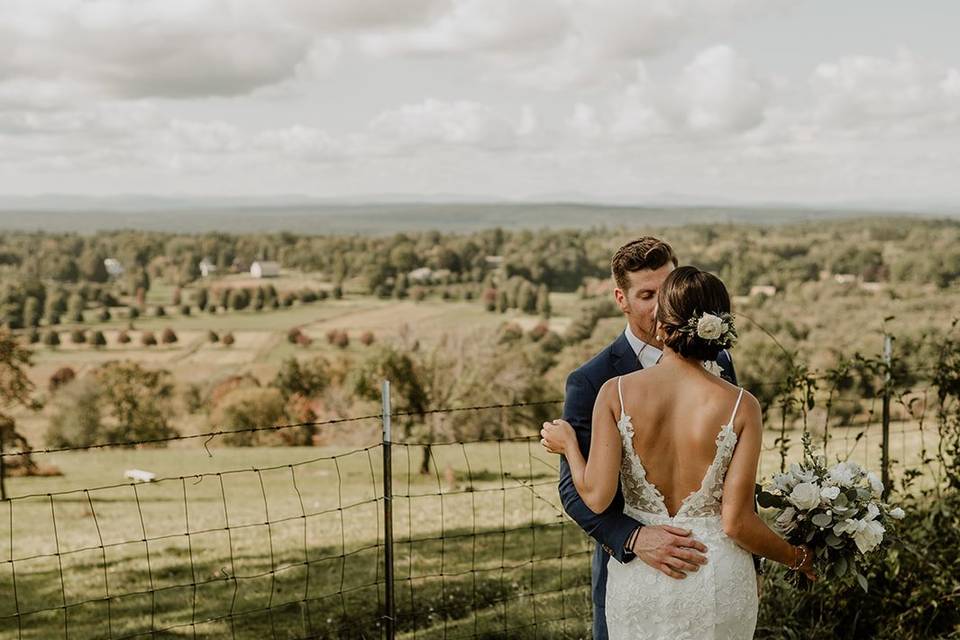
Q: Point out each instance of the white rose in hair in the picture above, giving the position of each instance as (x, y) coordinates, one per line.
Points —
(805, 496)
(709, 327)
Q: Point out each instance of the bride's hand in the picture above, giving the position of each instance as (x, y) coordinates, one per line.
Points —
(807, 567)
(557, 436)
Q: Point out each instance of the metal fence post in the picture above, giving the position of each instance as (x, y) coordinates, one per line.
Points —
(885, 460)
(389, 601)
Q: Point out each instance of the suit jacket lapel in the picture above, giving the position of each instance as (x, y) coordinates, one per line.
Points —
(622, 357)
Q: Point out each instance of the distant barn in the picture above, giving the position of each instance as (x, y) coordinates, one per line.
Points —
(265, 269)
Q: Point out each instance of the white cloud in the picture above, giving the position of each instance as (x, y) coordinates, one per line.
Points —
(436, 122)
(178, 48)
(902, 92)
(719, 92)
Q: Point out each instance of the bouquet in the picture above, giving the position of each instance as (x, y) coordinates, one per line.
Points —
(838, 512)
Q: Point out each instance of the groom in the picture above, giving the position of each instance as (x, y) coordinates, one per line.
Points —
(639, 268)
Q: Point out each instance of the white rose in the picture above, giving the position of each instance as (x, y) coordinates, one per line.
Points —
(802, 474)
(713, 367)
(805, 496)
(898, 513)
(875, 484)
(869, 534)
(709, 327)
(784, 482)
(830, 493)
(872, 512)
(842, 474)
(785, 520)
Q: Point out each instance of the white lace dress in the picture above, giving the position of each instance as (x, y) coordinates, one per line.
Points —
(718, 601)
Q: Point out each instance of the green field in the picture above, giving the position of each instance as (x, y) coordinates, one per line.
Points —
(295, 542)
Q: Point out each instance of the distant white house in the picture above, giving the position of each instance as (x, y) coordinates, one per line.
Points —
(113, 266)
(420, 276)
(845, 278)
(263, 269)
(763, 290)
(207, 268)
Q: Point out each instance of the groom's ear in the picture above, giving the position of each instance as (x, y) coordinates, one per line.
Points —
(620, 296)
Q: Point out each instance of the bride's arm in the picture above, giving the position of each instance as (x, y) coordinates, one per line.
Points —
(596, 478)
(740, 521)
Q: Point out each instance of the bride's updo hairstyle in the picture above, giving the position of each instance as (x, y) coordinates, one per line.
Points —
(688, 292)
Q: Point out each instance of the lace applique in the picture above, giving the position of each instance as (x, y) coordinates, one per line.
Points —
(637, 492)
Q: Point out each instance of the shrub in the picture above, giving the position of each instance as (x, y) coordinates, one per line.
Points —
(212, 336)
(168, 336)
(287, 299)
(227, 340)
(160, 311)
(51, 338)
(293, 335)
(539, 331)
(78, 336)
(185, 310)
(123, 337)
(338, 292)
(33, 337)
(98, 339)
(304, 340)
(133, 312)
(342, 340)
(61, 377)
(366, 338)
(104, 315)
(147, 339)
(250, 408)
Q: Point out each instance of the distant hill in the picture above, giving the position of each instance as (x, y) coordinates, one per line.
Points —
(298, 214)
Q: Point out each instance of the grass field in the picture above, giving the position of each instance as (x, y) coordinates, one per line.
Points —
(286, 542)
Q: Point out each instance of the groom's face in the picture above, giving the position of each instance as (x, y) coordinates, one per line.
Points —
(639, 302)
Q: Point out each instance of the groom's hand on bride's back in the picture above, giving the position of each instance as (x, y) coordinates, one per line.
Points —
(670, 550)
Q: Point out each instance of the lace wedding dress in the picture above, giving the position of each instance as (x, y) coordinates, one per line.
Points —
(718, 601)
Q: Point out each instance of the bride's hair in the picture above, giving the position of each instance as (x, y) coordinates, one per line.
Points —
(685, 293)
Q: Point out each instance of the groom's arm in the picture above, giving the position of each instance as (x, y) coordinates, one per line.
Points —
(611, 528)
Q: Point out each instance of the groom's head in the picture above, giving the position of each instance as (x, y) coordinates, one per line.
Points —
(639, 268)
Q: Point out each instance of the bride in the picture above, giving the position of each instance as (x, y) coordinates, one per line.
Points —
(684, 444)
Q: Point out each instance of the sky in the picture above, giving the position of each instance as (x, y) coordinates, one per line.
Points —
(623, 101)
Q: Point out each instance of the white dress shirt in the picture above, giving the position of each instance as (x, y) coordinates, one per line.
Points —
(647, 354)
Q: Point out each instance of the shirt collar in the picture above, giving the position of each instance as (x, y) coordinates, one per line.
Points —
(648, 354)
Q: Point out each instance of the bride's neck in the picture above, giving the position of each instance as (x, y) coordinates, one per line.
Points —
(672, 357)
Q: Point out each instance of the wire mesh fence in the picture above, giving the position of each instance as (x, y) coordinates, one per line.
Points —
(467, 540)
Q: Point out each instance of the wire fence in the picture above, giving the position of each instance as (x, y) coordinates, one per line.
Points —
(463, 538)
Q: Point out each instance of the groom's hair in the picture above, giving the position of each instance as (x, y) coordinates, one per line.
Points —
(643, 253)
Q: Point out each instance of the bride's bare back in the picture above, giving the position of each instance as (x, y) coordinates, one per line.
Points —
(677, 412)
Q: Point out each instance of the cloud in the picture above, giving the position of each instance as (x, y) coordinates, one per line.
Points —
(719, 92)
(178, 48)
(904, 92)
(462, 123)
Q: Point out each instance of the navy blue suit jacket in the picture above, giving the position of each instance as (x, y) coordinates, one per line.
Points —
(612, 527)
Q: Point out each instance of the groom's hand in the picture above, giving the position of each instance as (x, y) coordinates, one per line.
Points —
(670, 550)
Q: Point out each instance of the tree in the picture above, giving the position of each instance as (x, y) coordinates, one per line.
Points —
(31, 312)
(104, 315)
(201, 297)
(61, 377)
(543, 301)
(308, 378)
(75, 308)
(147, 339)
(239, 299)
(93, 268)
(168, 336)
(51, 338)
(227, 340)
(16, 390)
(250, 408)
(98, 339)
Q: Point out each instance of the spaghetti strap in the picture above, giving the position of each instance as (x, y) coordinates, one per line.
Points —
(735, 407)
(620, 393)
